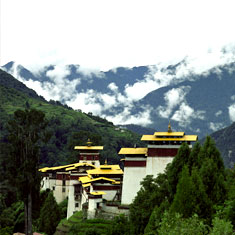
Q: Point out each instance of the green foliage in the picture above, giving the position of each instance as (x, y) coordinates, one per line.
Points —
(184, 201)
(96, 226)
(6, 231)
(174, 224)
(174, 169)
(221, 226)
(120, 226)
(63, 208)
(49, 215)
(13, 217)
(194, 183)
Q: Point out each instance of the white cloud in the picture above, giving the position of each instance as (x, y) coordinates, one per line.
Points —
(215, 126)
(142, 118)
(231, 112)
(185, 114)
(173, 97)
(58, 73)
(89, 72)
(218, 113)
(113, 87)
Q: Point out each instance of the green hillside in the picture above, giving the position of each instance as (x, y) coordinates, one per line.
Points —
(67, 127)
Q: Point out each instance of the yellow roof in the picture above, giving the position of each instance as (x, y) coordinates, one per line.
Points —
(105, 169)
(76, 165)
(97, 193)
(86, 185)
(89, 147)
(184, 138)
(85, 179)
(45, 169)
(169, 133)
(133, 151)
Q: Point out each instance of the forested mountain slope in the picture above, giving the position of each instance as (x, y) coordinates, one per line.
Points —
(67, 127)
(200, 102)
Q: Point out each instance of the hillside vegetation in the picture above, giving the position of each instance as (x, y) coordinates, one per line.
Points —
(67, 127)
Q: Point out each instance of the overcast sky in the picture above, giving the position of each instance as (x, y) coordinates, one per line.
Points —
(104, 34)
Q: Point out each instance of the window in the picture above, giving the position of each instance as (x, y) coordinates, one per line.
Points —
(63, 182)
(63, 190)
(53, 188)
(76, 204)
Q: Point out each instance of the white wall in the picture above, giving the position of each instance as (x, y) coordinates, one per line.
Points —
(156, 165)
(131, 183)
(58, 192)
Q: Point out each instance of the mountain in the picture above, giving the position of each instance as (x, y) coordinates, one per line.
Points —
(197, 102)
(204, 103)
(224, 140)
(67, 127)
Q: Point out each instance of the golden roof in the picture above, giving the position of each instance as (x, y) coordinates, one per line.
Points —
(133, 151)
(45, 169)
(76, 165)
(89, 147)
(106, 169)
(169, 133)
(183, 138)
(85, 179)
(97, 193)
(86, 185)
(66, 167)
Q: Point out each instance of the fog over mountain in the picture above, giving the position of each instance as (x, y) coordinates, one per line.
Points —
(198, 96)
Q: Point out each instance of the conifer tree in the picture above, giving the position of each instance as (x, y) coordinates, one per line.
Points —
(26, 130)
(174, 169)
(202, 204)
(49, 215)
(184, 200)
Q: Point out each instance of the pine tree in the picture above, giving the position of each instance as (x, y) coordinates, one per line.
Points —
(184, 200)
(203, 205)
(49, 215)
(175, 168)
(26, 130)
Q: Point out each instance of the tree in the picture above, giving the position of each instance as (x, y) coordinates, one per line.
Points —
(26, 130)
(49, 215)
(184, 200)
(174, 169)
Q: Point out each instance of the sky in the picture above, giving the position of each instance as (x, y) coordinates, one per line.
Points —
(106, 34)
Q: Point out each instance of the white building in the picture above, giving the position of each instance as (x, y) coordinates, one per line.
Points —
(140, 162)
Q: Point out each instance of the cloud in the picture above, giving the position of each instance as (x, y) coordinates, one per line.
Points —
(218, 113)
(113, 87)
(185, 114)
(126, 117)
(173, 97)
(89, 72)
(215, 126)
(231, 112)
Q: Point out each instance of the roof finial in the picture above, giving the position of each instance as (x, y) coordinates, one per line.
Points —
(89, 142)
(169, 127)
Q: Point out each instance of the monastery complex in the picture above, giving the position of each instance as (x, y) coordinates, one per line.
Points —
(98, 188)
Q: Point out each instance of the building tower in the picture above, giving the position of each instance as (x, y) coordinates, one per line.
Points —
(89, 154)
(161, 149)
